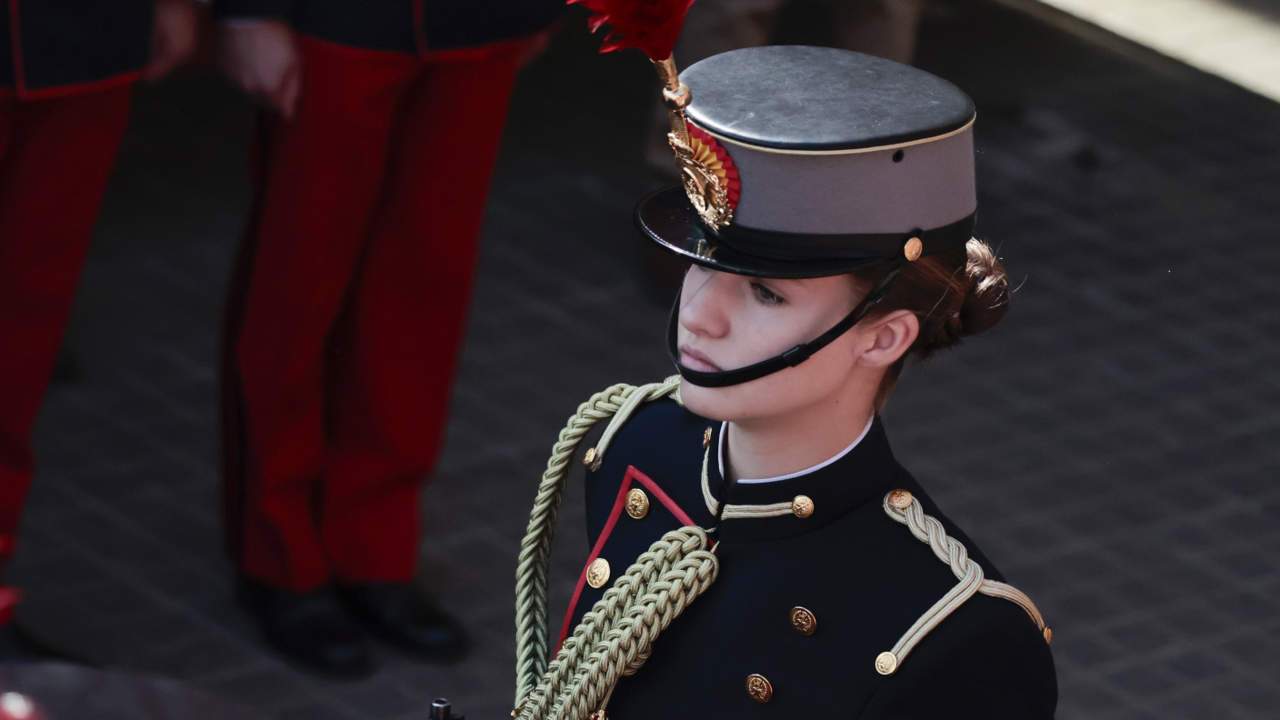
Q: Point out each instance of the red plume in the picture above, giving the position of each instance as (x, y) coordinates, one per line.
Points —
(650, 25)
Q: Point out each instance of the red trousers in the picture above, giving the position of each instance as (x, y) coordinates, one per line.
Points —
(55, 158)
(346, 315)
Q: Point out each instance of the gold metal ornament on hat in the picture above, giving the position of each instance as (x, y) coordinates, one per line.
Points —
(701, 171)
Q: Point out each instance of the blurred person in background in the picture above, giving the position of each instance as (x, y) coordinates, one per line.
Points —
(67, 70)
(374, 151)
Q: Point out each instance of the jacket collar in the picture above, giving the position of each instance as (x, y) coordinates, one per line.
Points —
(799, 502)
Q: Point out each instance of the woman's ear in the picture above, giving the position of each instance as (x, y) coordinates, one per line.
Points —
(888, 338)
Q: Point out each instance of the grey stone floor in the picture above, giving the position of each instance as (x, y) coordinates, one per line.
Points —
(1113, 444)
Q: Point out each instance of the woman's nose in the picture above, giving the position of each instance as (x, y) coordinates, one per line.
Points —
(702, 304)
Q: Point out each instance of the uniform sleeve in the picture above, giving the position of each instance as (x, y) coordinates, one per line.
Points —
(987, 660)
(255, 9)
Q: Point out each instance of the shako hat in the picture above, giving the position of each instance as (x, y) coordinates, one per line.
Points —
(810, 161)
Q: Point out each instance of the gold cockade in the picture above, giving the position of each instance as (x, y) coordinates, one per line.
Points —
(702, 171)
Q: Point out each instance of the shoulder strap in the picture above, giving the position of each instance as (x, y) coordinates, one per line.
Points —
(902, 507)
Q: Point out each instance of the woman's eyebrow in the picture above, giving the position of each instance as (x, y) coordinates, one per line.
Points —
(788, 284)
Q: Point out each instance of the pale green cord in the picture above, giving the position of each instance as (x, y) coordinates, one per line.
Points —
(951, 551)
(535, 549)
(616, 636)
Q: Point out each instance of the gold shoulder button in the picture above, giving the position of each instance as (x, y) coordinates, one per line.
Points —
(901, 499)
(706, 437)
(886, 663)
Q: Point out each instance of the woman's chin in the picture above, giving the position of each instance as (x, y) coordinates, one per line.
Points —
(707, 402)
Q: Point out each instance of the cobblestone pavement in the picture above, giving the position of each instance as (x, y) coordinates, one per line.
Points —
(1112, 444)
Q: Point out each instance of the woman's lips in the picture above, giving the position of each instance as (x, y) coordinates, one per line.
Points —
(695, 360)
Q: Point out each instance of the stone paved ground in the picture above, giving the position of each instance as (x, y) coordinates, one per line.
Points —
(1113, 443)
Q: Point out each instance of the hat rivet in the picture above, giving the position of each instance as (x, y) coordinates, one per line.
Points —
(913, 249)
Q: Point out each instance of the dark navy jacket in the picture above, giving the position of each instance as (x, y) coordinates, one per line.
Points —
(417, 26)
(53, 47)
(863, 576)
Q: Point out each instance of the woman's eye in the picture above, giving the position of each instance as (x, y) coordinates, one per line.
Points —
(765, 295)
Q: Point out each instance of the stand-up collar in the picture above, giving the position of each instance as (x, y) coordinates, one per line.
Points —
(802, 501)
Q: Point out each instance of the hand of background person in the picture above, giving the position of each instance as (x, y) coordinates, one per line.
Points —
(174, 36)
(533, 48)
(261, 58)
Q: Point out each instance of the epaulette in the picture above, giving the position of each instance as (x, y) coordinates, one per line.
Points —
(901, 506)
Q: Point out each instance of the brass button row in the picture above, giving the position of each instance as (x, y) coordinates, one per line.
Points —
(804, 622)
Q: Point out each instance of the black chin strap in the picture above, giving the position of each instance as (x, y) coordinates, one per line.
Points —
(790, 358)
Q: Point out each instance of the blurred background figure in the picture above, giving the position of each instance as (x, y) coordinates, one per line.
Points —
(66, 73)
(371, 166)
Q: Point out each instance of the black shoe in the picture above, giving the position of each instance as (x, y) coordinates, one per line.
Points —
(309, 629)
(403, 616)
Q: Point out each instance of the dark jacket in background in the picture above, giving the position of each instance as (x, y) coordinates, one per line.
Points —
(414, 26)
(57, 47)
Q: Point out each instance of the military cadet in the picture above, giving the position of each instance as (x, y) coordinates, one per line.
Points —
(67, 68)
(756, 548)
(371, 169)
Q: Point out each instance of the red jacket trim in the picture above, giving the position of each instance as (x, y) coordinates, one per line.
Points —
(633, 476)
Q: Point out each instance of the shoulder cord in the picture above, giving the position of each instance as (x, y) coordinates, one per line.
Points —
(616, 636)
(903, 508)
(620, 401)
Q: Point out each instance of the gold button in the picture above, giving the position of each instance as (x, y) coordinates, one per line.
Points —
(803, 620)
(598, 573)
(637, 503)
(886, 663)
(802, 506)
(590, 458)
(913, 249)
(706, 437)
(759, 688)
(900, 499)
(1048, 635)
